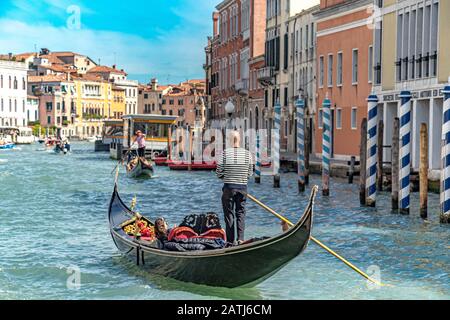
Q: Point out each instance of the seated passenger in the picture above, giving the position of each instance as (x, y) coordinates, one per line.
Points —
(161, 229)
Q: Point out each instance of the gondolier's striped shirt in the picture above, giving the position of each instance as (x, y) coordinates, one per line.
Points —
(235, 166)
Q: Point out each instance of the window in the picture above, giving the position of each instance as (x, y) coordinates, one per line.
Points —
(339, 69)
(330, 70)
(339, 119)
(145, 95)
(355, 67)
(1, 81)
(2, 105)
(49, 106)
(354, 119)
(320, 119)
(321, 67)
(370, 74)
(49, 119)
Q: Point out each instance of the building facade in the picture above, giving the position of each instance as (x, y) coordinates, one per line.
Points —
(411, 53)
(13, 93)
(344, 71)
(277, 75)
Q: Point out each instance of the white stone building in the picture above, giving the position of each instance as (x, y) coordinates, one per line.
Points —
(13, 93)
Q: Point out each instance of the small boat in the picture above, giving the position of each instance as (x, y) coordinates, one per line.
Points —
(7, 146)
(182, 165)
(139, 167)
(237, 266)
(62, 148)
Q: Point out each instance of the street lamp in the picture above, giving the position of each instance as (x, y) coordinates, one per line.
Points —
(229, 109)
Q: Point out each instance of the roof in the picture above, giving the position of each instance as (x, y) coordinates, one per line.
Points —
(58, 68)
(48, 78)
(106, 69)
(32, 97)
(145, 117)
(25, 55)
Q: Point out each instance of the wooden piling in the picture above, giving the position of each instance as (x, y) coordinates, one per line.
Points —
(362, 163)
(351, 171)
(395, 163)
(423, 171)
(380, 156)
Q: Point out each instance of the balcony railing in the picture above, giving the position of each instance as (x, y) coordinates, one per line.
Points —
(266, 75)
(241, 86)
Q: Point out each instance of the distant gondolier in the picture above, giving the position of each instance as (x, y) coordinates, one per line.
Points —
(140, 139)
(234, 167)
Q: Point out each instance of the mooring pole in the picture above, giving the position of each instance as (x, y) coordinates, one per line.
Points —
(423, 171)
(276, 146)
(351, 171)
(301, 144)
(362, 163)
(326, 147)
(405, 152)
(395, 163)
(307, 147)
(380, 156)
(445, 172)
(258, 160)
(372, 150)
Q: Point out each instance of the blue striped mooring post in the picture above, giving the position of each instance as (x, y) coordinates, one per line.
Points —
(258, 160)
(405, 152)
(276, 146)
(326, 147)
(301, 144)
(372, 150)
(445, 174)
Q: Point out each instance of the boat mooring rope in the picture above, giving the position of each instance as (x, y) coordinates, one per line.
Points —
(319, 243)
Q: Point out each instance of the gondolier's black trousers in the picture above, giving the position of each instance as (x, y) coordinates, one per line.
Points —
(233, 203)
(141, 152)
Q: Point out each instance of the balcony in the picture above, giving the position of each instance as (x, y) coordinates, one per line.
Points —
(266, 76)
(241, 87)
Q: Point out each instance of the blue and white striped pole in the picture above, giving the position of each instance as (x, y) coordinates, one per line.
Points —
(405, 152)
(372, 151)
(445, 174)
(258, 160)
(300, 105)
(326, 147)
(276, 146)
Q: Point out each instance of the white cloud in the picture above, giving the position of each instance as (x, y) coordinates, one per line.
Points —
(179, 53)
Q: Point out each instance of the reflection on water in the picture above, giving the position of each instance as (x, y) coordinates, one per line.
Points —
(53, 210)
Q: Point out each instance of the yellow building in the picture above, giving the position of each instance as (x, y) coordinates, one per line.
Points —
(118, 104)
(410, 53)
(94, 101)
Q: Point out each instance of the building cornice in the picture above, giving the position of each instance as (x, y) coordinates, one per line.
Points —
(342, 9)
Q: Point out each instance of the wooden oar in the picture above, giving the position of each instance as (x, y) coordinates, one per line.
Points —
(353, 267)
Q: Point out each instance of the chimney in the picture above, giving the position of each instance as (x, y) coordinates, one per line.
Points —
(154, 84)
(215, 23)
(114, 66)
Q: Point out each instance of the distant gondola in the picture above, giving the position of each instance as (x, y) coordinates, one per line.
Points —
(243, 265)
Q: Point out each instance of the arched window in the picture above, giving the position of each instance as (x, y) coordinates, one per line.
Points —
(24, 85)
(15, 83)
(15, 105)
(1, 81)
(250, 116)
(10, 82)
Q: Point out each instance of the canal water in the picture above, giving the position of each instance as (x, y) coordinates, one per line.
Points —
(53, 222)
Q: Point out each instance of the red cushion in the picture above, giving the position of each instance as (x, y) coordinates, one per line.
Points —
(181, 233)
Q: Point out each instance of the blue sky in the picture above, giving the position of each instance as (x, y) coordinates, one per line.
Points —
(148, 38)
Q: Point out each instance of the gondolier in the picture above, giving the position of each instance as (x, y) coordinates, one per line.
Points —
(234, 168)
(140, 139)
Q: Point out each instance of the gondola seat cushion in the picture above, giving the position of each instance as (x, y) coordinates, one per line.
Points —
(214, 234)
(181, 233)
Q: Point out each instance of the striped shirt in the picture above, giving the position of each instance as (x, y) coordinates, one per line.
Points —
(235, 166)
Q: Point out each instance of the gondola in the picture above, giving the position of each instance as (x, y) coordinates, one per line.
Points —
(239, 266)
(7, 146)
(140, 169)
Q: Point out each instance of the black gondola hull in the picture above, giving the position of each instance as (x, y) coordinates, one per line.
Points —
(244, 265)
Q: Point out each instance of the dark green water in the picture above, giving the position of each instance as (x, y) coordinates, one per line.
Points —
(53, 218)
